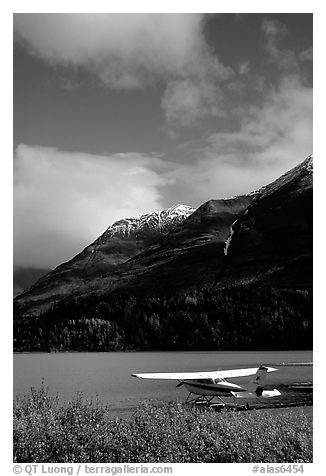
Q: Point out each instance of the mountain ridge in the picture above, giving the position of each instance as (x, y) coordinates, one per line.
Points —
(276, 230)
(120, 242)
(236, 274)
(173, 249)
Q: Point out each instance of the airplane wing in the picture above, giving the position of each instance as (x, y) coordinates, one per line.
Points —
(215, 374)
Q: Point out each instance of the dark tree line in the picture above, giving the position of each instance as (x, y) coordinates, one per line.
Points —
(247, 317)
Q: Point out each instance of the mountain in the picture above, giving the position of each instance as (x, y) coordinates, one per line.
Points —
(121, 241)
(189, 256)
(272, 241)
(25, 277)
(235, 274)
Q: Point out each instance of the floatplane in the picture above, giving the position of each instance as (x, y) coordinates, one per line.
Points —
(203, 387)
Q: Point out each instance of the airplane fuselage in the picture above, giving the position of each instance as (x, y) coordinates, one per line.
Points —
(211, 389)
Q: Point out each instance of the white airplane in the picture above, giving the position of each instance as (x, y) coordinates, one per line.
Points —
(207, 385)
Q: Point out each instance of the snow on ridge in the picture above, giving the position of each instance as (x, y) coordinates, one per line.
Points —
(309, 165)
(158, 220)
(306, 165)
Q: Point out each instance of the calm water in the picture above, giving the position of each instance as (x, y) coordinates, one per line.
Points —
(108, 375)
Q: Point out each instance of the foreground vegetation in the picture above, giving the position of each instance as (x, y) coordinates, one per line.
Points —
(248, 317)
(48, 430)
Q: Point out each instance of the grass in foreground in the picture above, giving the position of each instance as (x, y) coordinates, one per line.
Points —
(49, 431)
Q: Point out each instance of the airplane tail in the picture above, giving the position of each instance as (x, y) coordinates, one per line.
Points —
(259, 381)
(256, 387)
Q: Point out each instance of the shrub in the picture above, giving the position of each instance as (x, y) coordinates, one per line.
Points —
(47, 430)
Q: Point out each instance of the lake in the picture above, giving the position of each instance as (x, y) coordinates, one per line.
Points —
(108, 374)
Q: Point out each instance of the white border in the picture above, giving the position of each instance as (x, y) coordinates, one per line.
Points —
(231, 6)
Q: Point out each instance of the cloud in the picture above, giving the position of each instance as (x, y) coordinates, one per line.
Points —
(126, 51)
(244, 68)
(275, 32)
(306, 55)
(64, 200)
(132, 51)
(186, 102)
(271, 139)
(268, 136)
(272, 135)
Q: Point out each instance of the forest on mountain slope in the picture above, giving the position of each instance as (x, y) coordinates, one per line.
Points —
(244, 317)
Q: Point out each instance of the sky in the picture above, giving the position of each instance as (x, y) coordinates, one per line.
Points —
(116, 115)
